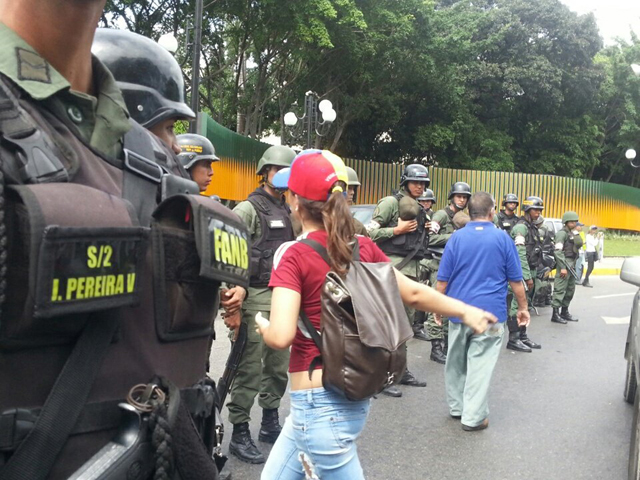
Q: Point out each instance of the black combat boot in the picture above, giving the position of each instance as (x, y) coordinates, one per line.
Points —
(418, 331)
(556, 318)
(437, 351)
(392, 391)
(409, 379)
(567, 316)
(516, 344)
(270, 427)
(586, 283)
(524, 338)
(242, 445)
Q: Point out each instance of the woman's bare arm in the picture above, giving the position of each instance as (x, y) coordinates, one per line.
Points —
(422, 297)
(280, 331)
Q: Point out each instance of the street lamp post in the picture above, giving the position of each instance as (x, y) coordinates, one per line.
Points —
(195, 67)
(309, 123)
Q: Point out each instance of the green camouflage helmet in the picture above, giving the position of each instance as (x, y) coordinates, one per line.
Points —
(353, 177)
(569, 217)
(277, 155)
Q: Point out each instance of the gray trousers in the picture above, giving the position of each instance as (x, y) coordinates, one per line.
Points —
(468, 371)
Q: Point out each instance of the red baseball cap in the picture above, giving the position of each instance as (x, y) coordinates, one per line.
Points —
(313, 175)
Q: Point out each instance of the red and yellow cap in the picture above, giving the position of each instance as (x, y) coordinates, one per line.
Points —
(313, 175)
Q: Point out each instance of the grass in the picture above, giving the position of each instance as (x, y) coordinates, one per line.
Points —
(628, 246)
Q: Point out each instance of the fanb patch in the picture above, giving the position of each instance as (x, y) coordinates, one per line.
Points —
(84, 270)
(32, 66)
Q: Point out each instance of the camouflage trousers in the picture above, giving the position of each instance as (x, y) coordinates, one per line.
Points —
(435, 331)
(262, 372)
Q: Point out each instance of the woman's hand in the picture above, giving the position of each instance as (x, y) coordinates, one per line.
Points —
(261, 323)
(478, 320)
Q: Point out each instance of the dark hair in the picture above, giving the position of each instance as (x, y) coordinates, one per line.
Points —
(335, 215)
(480, 205)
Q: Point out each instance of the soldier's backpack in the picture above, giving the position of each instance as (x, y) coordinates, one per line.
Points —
(363, 328)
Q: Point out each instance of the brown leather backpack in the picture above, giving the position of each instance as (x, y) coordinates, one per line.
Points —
(363, 328)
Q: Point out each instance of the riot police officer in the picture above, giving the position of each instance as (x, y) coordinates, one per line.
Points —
(567, 245)
(442, 227)
(427, 200)
(352, 192)
(197, 154)
(529, 246)
(507, 218)
(543, 284)
(398, 226)
(83, 262)
(152, 85)
(262, 370)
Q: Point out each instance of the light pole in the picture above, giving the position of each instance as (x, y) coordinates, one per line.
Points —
(309, 123)
(195, 66)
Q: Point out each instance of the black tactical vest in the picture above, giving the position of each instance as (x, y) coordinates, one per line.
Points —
(569, 247)
(275, 225)
(506, 222)
(93, 265)
(533, 244)
(403, 245)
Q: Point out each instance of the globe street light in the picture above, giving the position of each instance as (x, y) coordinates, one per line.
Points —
(636, 69)
(631, 155)
(309, 123)
(169, 43)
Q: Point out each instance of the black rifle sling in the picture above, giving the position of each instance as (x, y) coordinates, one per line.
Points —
(315, 336)
(413, 252)
(37, 454)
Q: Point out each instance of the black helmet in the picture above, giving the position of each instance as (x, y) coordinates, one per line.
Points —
(148, 75)
(459, 188)
(427, 196)
(415, 173)
(510, 198)
(533, 202)
(195, 148)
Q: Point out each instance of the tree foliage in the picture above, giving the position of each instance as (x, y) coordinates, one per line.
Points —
(514, 85)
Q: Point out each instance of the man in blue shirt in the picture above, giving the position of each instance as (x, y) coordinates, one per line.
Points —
(478, 263)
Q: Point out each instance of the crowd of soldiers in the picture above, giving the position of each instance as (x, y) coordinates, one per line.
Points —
(122, 162)
(404, 225)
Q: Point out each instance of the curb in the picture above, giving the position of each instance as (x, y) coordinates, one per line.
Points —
(606, 271)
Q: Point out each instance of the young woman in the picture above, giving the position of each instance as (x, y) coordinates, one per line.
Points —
(318, 438)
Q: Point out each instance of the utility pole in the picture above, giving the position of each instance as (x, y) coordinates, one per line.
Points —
(195, 67)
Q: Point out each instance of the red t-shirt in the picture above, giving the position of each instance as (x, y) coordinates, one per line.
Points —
(298, 267)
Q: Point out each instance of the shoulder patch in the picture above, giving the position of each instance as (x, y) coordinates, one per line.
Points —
(372, 225)
(32, 66)
(435, 227)
(559, 245)
(520, 240)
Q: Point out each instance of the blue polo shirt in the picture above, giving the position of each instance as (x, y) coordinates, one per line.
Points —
(478, 262)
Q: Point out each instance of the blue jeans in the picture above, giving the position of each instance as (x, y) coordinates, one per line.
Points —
(318, 438)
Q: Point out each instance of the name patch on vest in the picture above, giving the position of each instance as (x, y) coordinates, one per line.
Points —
(225, 256)
(84, 270)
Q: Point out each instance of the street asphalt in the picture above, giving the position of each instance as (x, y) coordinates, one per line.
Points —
(556, 413)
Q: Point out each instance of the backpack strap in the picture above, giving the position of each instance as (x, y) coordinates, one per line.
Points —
(322, 251)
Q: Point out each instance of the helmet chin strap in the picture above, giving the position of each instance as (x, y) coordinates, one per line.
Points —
(455, 205)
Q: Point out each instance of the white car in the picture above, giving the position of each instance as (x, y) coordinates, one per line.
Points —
(630, 273)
